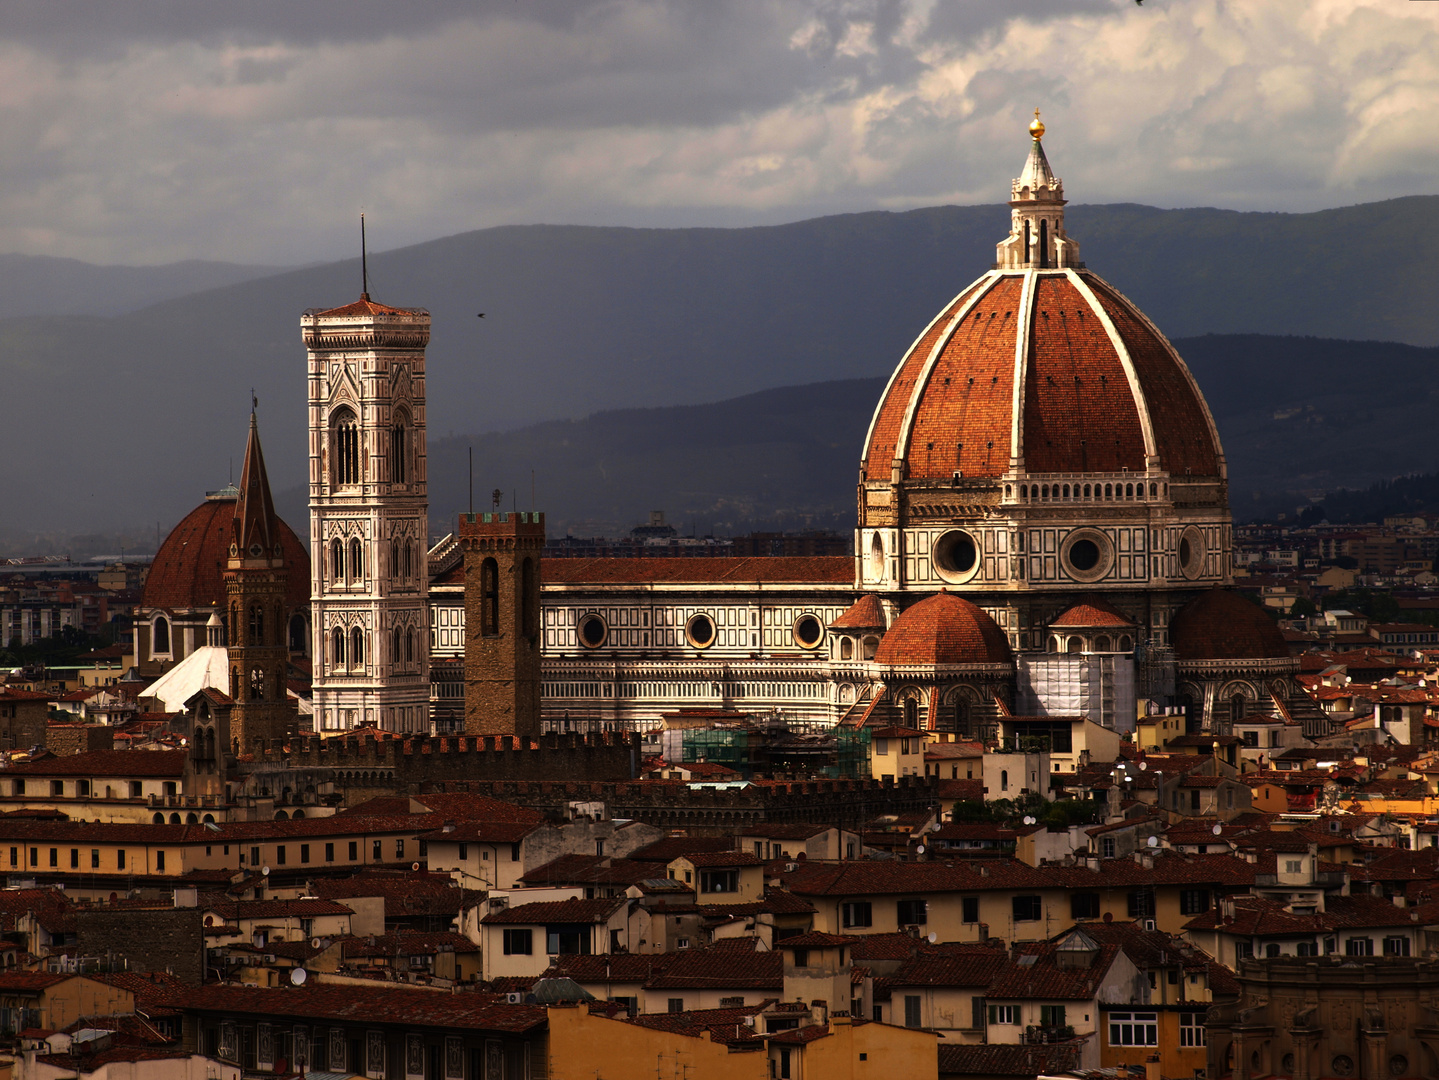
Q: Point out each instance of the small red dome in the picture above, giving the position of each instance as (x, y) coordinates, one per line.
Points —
(1222, 625)
(188, 570)
(943, 630)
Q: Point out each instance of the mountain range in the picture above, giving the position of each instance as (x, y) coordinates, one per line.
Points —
(122, 418)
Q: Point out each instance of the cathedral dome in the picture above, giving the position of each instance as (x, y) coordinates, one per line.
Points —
(943, 630)
(1043, 366)
(188, 570)
(1222, 625)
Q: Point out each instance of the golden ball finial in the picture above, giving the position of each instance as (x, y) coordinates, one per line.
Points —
(1036, 127)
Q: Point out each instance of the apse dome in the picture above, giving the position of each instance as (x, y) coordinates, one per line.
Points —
(1222, 625)
(1041, 433)
(944, 630)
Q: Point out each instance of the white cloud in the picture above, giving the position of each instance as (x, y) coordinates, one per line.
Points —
(262, 142)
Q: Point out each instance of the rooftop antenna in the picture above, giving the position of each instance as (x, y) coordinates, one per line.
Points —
(472, 482)
(364, 262)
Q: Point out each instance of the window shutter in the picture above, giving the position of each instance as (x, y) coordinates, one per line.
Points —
(977, 1012)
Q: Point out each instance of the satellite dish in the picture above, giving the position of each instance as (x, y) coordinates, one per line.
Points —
(1143, 765)
(1217, 829)
(414, 866)
(919, 850)
(933, 937)
(298, 976)
(1028, 820)
(314, 944)
(265, 870)
(1154, 841)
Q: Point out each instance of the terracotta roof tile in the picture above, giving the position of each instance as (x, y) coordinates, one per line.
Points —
(866, 613)
(943, 630)
(1219, 624)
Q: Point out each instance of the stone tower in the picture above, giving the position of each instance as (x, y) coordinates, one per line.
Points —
(502, 622)
(368, 515)
(255, 579)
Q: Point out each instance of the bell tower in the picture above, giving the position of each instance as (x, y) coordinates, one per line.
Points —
(255, 578)
(368, 515)
(502, 622)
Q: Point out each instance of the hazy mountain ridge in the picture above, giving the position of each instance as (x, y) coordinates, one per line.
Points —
(128, 419)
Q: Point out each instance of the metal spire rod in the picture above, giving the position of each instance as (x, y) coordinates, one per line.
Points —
(364, 262)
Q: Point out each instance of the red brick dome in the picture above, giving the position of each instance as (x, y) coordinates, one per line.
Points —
(1222, 625)
(943, 630)
(1099, 388)
(188, 570)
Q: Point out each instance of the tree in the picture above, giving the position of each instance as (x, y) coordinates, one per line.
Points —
(1302, 608)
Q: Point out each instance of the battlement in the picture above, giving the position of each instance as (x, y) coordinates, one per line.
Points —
(500, 523)
(400, 763)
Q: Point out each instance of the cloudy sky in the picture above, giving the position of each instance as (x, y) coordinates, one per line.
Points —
(143, 131)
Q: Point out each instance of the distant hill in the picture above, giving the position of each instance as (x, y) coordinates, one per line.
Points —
(126, 420)
(1294, 420)
(43, 285)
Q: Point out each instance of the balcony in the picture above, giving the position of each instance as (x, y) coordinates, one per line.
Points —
(1047, 1035)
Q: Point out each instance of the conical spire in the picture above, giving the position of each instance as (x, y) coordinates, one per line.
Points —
(255, 521)
(1036, 232)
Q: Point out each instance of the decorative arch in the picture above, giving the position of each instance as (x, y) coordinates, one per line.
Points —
(357, 648)
(160, 635)
(400, 447)
(345, 447)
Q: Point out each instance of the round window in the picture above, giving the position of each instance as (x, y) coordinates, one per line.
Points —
(1084, 554)
(808, 632)
(956, 556)
(1191, 552)
(593, 631)
(1087, 554)
(700, 631)
(876, 557)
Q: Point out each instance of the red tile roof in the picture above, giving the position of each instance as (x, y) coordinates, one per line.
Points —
(866, 613)
(366, 1004)
(943, 630)
(1222, 625)
(721, 968)
(555, 911)
(362, 307)
(187, 571)
(126, 763)
(1092, 611)
(812, 570)
(1044, 979)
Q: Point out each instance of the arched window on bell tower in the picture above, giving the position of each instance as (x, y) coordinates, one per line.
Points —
(400, 449)
(257, 626)
(344, 447)
(357, 572)
(357, 648)
(337, 649)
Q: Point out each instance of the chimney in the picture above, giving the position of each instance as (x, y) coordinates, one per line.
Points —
(1151, 1067)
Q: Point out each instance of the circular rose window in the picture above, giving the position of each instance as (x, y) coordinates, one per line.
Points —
(593, 631)
(808, 632)
(700, 631)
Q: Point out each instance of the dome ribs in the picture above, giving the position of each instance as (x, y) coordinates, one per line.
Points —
(1186, 441)
(1079, 412)
(962, 419)
(888, 422)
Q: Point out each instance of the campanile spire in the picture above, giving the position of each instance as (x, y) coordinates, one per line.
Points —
(1036, 215)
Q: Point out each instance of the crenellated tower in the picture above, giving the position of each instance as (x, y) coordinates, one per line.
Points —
(256, 577)
(368, 515)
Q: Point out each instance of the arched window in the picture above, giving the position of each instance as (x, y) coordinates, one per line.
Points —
(234, 624)
(846, 648)
(398, 652)
(337, 648)
(1101, 643)
(1066, 491)
(257, 626)
(1075, 645)
(410, 560)
(1003, 779)
(1237, 706)
(1043, 244)
(160, 641)
(528, 598)
(870, 645)
(357, 648)
(410, 646)
(1129, 491)
(345, 447)
(911, 712)
(357, 572)
(399, 450)
(1109, 491)
(297, 633)
(257, 685)
(489, 598)
(337, 562)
